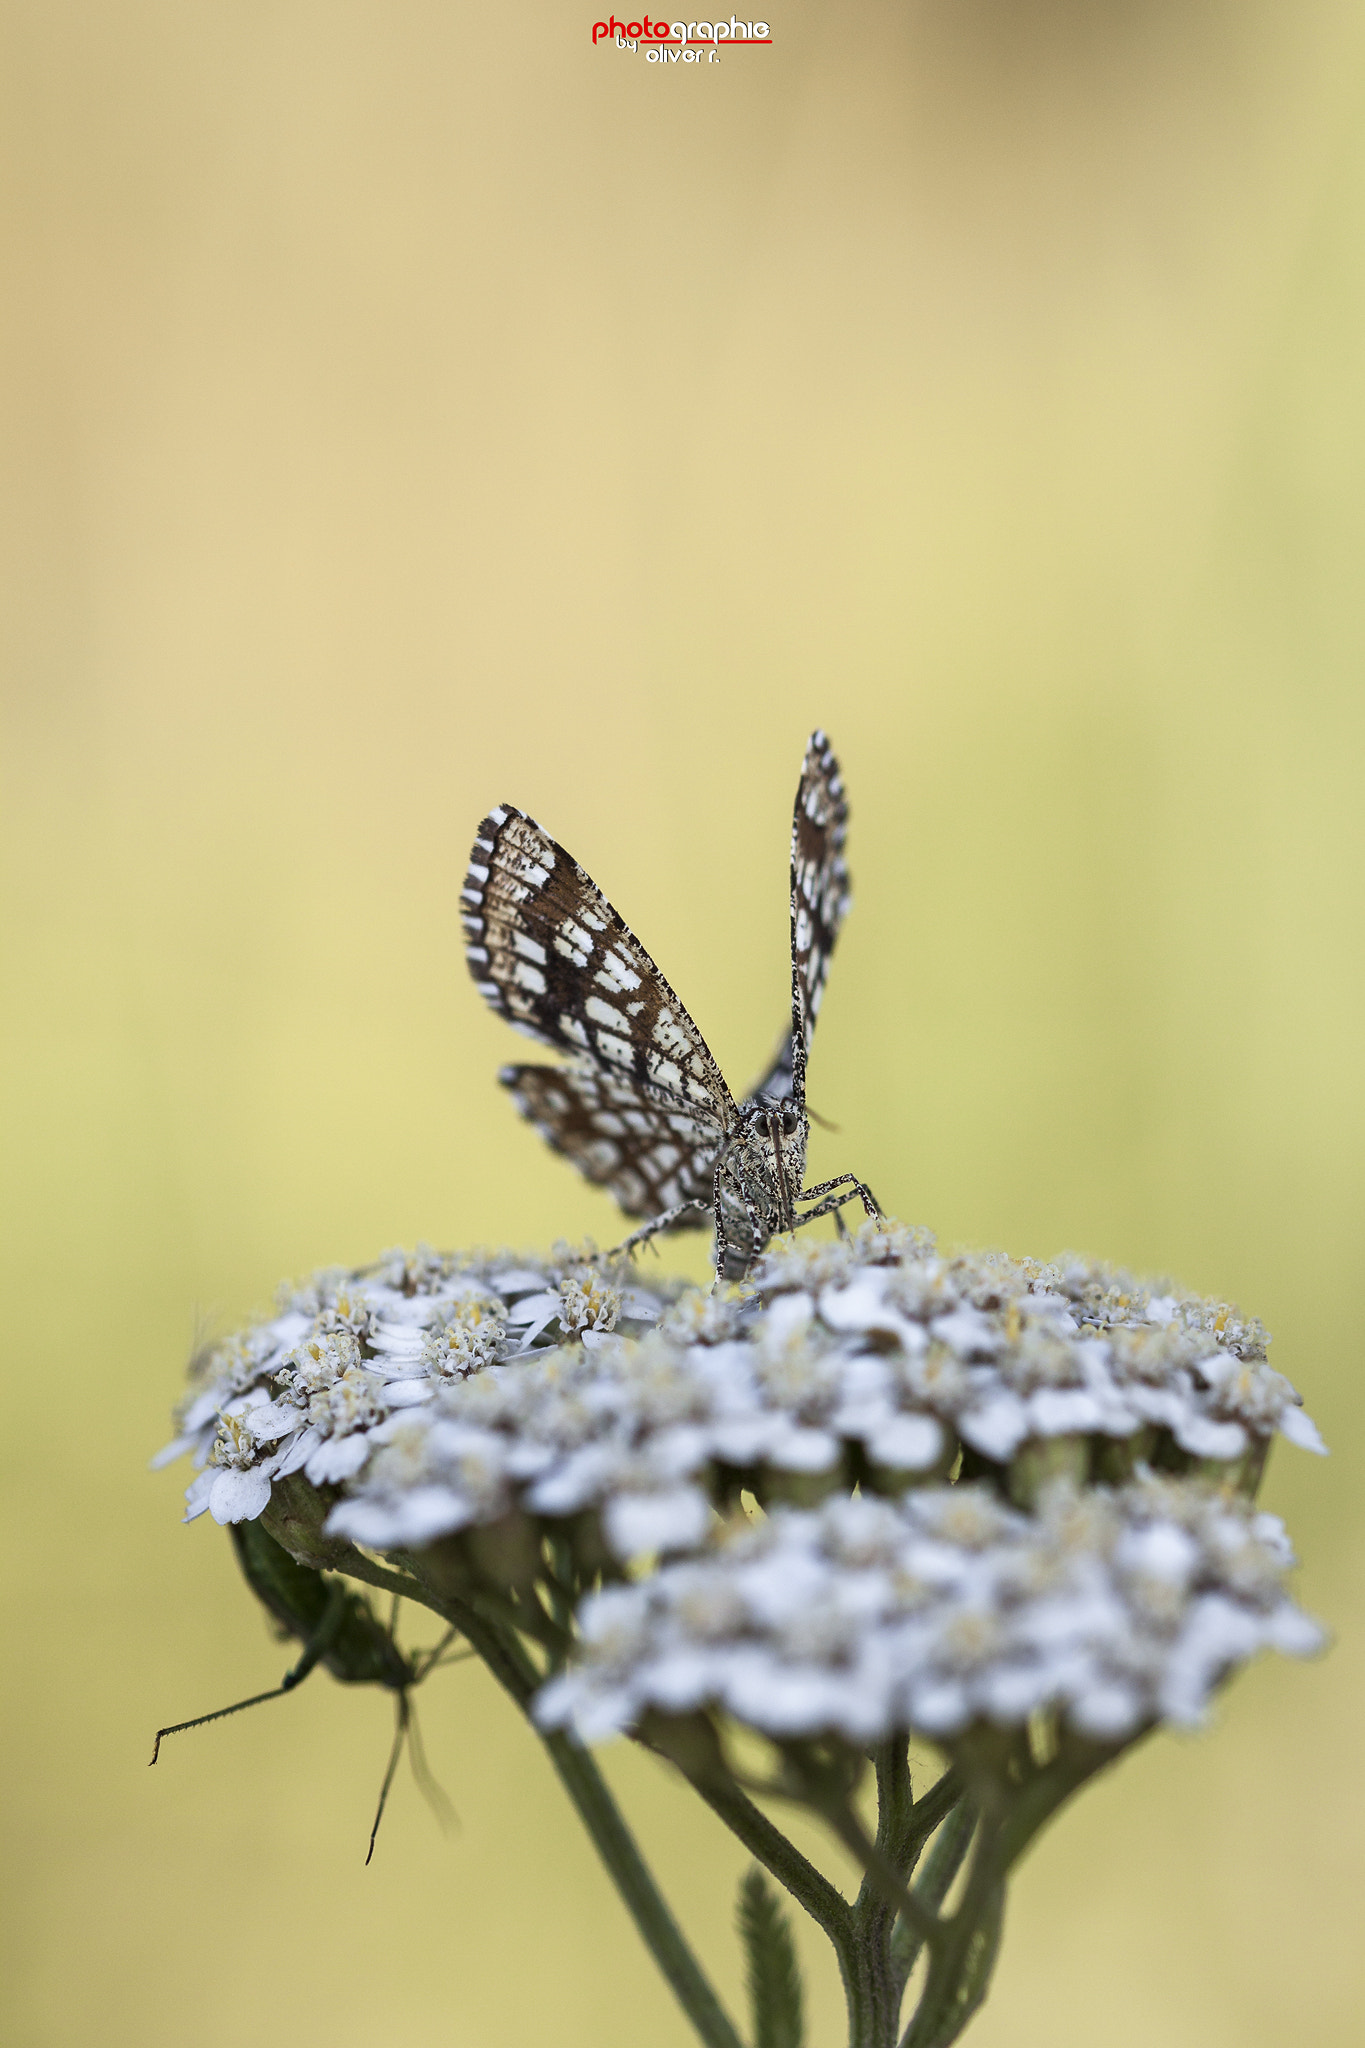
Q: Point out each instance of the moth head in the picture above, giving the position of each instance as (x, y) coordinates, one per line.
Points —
(761, 1116)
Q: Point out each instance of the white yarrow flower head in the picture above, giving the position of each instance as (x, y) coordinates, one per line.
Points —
(638, 1412)
(1001, 1506)
(348, 1352)
(946, 1612)
(436, 1396)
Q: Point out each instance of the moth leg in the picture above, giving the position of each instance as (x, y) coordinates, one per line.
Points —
(757, 1236)
(316, 1647)
(854, 1186)
(831, 1206)
(725, 1249)
(786, 1207)
(833, 1201)
(722, 1248)
(727, 1254)
(654, 1226)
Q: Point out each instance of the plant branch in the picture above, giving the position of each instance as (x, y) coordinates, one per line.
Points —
(881, 1873)
(506, 1658)
(935, 1881)
(780, 1857)
(960, 1966)
(660, 1932)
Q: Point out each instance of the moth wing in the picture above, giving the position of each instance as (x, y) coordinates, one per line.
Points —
(648, 1157)
(819, 893)
(550, 954)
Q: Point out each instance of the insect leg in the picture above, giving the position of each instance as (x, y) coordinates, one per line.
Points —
(758, 1237)
(732, 1260)
(854, 1186)
(401, 1715)
(426, 1784)
(833, 1201)
(405, 1726)
(427, 1660)
(315, 1648)
(654, 1226)
(722, 1249)
(832, 1204)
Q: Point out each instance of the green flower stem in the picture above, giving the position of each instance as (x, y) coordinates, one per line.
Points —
(767, 1844)
(935, 1881)
(860, 1933)
(962, 1960)
(881, 1878)
(1074, 1765)
(506, 1658)
(928, 1813)
(862, 1953)
(659, 1930)
(895, 1800)
(904, 1825)
(879, 1988)
(959, 1965)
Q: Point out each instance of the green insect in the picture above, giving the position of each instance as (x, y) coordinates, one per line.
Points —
(339, 1629)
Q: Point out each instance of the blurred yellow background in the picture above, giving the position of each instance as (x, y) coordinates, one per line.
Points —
(407, 408)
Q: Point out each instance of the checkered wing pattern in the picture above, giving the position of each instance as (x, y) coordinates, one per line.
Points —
(820, 891)
(775, 1083)
(550, 955)
(649, 1158)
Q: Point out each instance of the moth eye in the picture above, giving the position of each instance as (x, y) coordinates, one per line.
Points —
(790, 1120)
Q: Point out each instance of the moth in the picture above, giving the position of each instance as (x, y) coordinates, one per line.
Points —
(642, 1107)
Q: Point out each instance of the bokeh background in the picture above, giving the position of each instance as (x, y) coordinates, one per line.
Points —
(409, 407)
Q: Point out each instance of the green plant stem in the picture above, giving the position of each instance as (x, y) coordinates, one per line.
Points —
(904, 1825)
(644, 1902)
(927, 1814)
(859, 1932)
(509, 1663)
(875, 1992)
(861, 1951)
(962, 1960)
(877, 1938)
(781, 1858)
(881, 1878)
(935, 1882)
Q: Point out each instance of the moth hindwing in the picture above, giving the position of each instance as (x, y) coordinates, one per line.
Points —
(651, 1159)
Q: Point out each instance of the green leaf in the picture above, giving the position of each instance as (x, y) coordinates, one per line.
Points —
(774, 1978)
